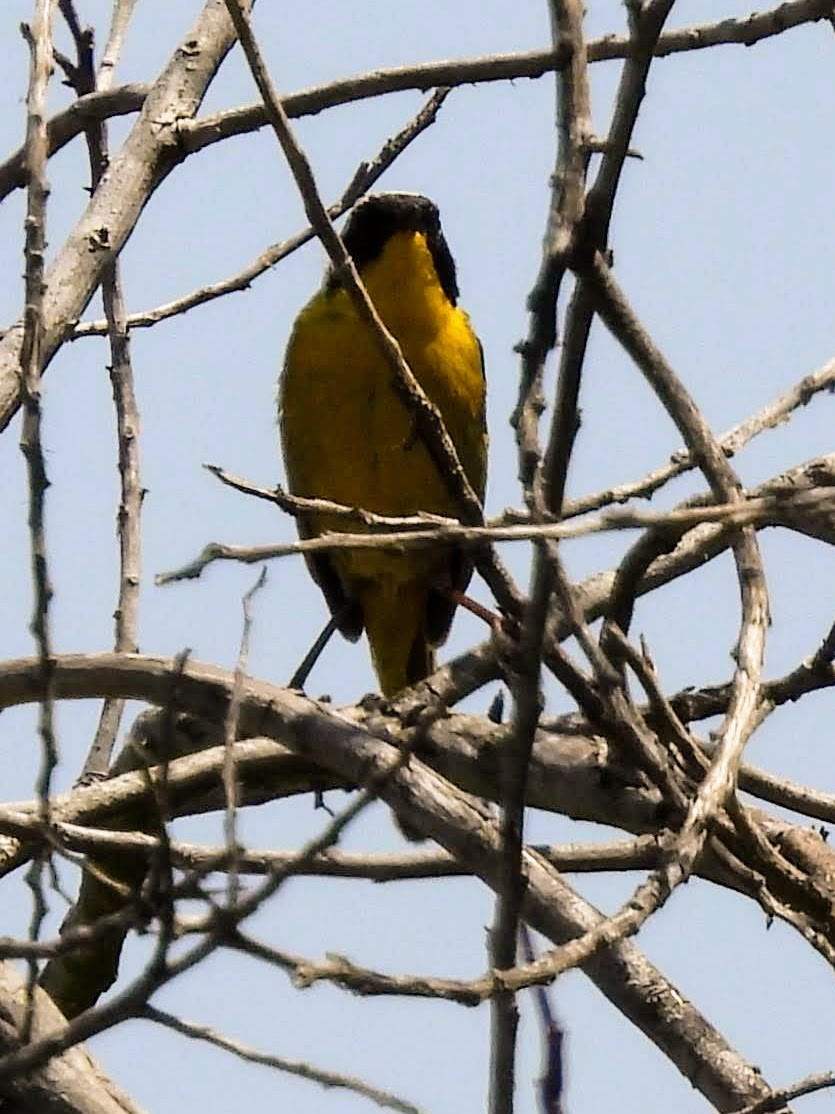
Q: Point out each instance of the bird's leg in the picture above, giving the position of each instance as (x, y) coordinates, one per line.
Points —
(297, 681)
(492, 618)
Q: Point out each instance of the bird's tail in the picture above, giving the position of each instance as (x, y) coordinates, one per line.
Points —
(395, 619)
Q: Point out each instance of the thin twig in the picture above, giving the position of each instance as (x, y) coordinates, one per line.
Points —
(230, 730)
(298, 1068)
(39, 38)
(427, 417)
(778, 1098)
(148, 155)
(298, 505)
(362, 180)
(746, 32)
(574, 127)
(566, 208)
(646, 24)
(84, 78)
(768, 510)
(552, 1081)
(119, 22)
(741, 715)
(772, 415)
(640, 853)
(567, 205)
(342, 972)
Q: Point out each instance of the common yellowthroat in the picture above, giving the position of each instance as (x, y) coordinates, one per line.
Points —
(347, 435)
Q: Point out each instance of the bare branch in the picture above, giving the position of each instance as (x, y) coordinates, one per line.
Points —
(777, 1099)
(71, 1083)
(641, 853)
(421, 796)
(83, 77)
(742, 711)
(71, 122)
(772, 415)
(509, 67)
(119, 22)
(39, 38)
(426, 415)
(628, 756)
(566, 212)
(327, 1079)
(747, 31)
(230, 733)
(365, 176)
(782, 507)
(150, 152)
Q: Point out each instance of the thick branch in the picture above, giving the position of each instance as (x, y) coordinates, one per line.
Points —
(148, 155)
(69, 1084)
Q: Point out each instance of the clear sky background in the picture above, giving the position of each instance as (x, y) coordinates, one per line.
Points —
(723, 238)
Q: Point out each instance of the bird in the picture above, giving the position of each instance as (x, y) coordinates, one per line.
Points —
(348, 436)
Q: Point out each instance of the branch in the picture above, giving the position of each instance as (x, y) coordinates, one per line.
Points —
(319, 735)
(706, 542)
(565, 775)
(505, 67)
(810, 511)
(149, 153)
(71, 1083)
(566, 212)
(772, 415)
(808, 1086)
(71, 122)
(365, 176)
(747, 31)
(119, 22)
(641, 853)
(84, 78)
(39, 38)
(567, 757)
(425, 414)
(326, 1079)
(742, 711)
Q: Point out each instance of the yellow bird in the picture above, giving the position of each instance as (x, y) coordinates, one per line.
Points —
(347, 436)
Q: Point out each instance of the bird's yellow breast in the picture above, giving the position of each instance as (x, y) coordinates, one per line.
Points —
(347, 434)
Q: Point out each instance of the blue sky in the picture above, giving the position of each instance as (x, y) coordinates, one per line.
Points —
(723, 238)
